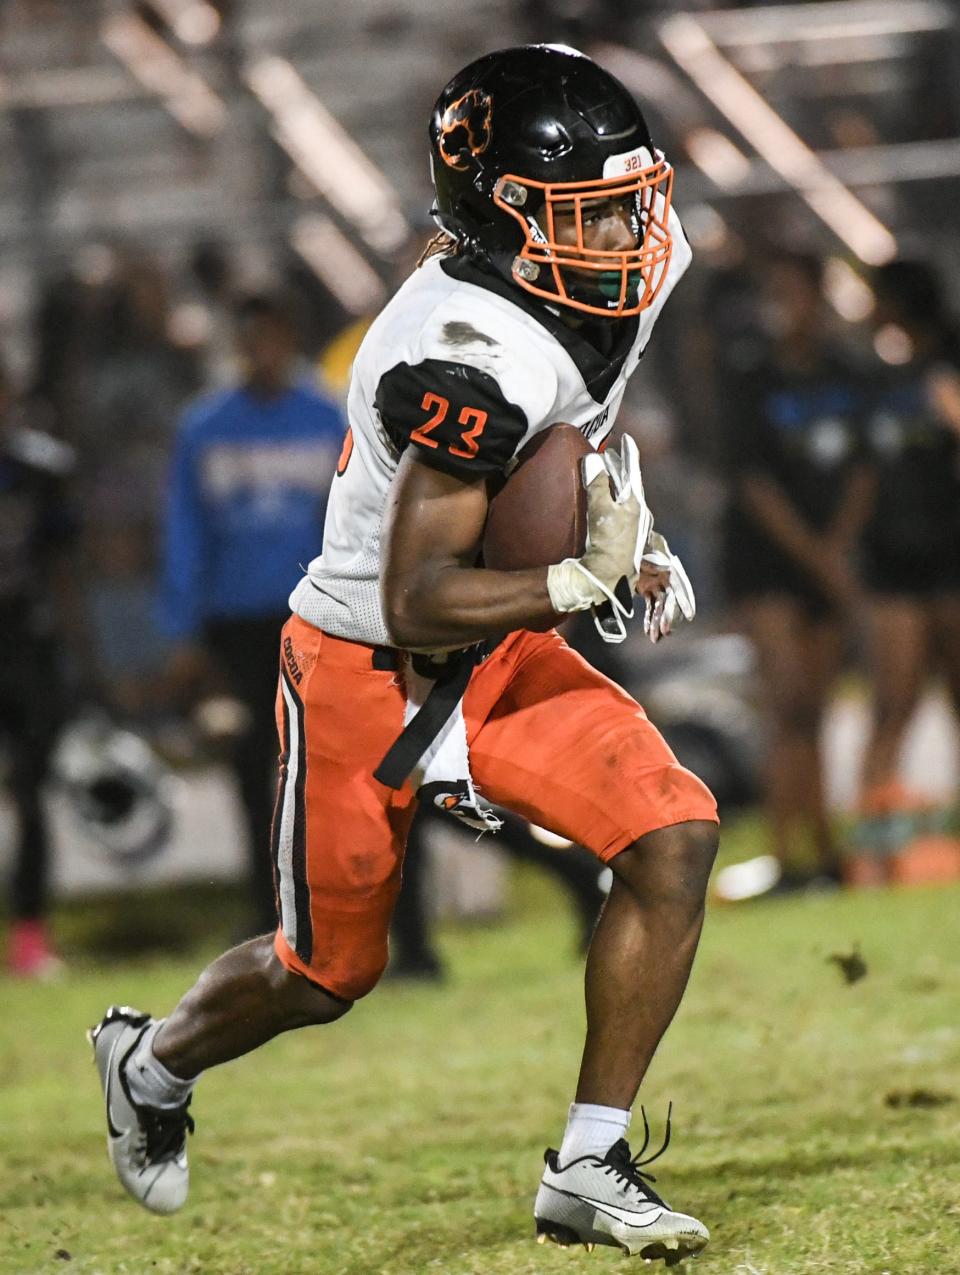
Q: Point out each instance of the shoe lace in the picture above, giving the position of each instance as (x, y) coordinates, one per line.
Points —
(164, 1132)
(629, 1170)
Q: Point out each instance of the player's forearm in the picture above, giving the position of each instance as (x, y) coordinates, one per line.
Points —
(452, 606)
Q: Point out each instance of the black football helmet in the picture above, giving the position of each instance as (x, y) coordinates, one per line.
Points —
(531, 135)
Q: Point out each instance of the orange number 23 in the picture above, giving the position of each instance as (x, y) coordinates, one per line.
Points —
(472, 417)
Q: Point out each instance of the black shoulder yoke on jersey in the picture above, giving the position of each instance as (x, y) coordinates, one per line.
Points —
(599, 371)
(455, 415)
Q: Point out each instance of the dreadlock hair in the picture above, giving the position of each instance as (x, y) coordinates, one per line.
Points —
(440, 245)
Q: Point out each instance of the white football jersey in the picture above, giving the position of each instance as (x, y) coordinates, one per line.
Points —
(467, 368)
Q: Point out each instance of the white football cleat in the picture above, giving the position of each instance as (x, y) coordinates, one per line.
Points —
(607, 1200)
(147, 1145)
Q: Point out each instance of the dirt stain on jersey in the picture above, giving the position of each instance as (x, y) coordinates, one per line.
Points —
(459, 333)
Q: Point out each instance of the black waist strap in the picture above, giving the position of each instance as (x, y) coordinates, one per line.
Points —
(452, 676)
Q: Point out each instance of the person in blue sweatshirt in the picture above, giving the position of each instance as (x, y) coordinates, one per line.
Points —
(251, 470)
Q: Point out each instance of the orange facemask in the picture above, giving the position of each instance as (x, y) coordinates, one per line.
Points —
(614, 284)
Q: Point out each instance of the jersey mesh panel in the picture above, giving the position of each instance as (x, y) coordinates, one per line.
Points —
(349, 605)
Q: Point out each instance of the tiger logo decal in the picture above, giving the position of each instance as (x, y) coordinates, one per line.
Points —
(466, 128)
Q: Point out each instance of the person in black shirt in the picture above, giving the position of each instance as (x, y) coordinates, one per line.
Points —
(912, 543)
(35, 528)
(800, 494)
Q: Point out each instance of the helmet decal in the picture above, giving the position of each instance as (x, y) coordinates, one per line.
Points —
(635, 161)
(466, 128)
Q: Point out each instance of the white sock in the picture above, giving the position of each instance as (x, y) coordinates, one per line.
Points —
(149, 1082)
(592, 1130)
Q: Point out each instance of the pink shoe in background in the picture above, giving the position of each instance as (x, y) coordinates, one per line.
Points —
(30, 953)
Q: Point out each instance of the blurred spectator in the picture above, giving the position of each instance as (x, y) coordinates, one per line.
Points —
(35, 529)
(912, 559)
(212, 294)
(116, 378)
(136, 385)
(248, 487)
(116, 381)
(800, 495)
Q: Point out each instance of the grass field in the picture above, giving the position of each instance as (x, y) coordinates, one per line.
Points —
(817, 1122)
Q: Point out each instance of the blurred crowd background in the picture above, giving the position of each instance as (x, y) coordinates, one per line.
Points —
(204, 202)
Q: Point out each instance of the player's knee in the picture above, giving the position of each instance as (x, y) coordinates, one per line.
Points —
(671, 866)
(366, 980)
(355, 975)
(300, 1002)
(696, 845)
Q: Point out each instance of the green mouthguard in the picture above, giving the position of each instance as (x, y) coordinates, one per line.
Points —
(608, 281)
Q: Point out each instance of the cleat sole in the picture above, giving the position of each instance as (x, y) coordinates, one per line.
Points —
(673, 1251)
(670, 1251)
(556, 1233)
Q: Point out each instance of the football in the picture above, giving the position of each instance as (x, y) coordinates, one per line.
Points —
(539, 515)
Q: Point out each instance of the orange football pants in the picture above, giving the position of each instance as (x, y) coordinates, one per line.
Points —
(550, 738)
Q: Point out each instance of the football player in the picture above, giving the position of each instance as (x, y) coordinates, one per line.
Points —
(558, 247)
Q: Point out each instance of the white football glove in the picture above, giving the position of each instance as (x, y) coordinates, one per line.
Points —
(661, 612)
(618, 525)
